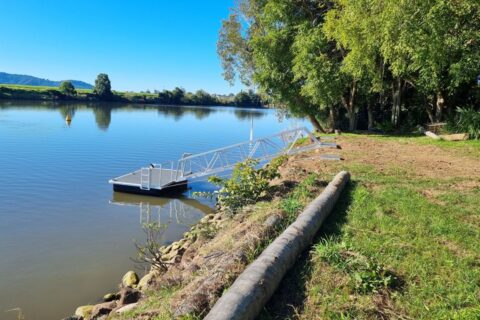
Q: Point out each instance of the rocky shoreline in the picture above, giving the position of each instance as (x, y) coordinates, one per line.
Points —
(132, 287)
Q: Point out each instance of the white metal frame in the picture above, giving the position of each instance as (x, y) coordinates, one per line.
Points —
(191, 166)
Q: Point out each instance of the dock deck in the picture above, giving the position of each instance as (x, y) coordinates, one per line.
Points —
(156, 182)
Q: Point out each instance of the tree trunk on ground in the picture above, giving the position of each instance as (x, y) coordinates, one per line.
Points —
(247, 296)
(316, 124)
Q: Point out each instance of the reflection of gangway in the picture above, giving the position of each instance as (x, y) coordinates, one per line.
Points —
(170, 177)
(176, 209)
(163, 210)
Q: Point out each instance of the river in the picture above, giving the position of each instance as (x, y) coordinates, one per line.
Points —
(66, 238)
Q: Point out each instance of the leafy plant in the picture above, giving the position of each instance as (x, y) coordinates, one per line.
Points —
(247, 184)
(468, 120)
(366, 275)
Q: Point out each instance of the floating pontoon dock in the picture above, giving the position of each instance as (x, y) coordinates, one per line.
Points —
(172, 177)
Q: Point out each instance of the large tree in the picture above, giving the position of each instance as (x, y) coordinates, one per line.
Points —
(429, 45)
(103, 87)
(285, 52)
(67, 88)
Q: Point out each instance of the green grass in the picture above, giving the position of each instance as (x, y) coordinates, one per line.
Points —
(468, 147)
(37, 88)
(388, 251)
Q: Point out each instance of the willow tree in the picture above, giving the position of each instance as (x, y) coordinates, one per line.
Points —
(279, 46)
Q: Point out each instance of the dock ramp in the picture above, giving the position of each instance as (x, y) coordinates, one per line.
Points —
(173, 176)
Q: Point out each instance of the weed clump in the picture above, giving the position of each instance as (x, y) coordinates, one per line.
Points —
(366, 276)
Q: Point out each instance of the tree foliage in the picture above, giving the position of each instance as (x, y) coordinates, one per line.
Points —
(103, 87)
(67, 88)
(337, 59)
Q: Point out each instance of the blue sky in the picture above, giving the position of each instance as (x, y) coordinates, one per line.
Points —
(143, 44)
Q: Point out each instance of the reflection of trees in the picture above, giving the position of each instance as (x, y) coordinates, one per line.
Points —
(103, 117)
(243, 114)
(178, 112)
(171, 112)
(67, 110)
(103, 110)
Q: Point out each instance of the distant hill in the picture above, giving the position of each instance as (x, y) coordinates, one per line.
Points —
(8, 78)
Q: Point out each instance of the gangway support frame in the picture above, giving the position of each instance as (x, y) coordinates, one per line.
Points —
(173, 177)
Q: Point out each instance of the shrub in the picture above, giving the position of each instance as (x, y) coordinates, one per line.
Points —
(247, 184)
(149, 251)
(67, 88)
(467, 120)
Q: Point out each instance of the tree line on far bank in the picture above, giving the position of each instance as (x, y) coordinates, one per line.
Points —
(358, 64)
(102, 91)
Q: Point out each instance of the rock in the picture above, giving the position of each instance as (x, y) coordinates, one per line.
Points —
(110, 297)
(103, 309)
(126, 308)
(129, 295)
(145, 281)
(84, 311)
(130, 279)
(166, 250)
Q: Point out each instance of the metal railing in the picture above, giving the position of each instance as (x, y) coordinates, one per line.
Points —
(218, 160)
(192, 166)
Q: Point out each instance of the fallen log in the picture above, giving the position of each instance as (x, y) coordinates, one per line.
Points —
(254, 287)
(454, 137)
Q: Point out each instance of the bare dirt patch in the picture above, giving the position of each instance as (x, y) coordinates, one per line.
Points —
(421, 160)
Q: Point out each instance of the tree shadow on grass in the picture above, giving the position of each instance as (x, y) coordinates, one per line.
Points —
(290, 296)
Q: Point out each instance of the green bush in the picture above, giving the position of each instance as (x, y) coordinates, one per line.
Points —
(467, 120)
(247, 184)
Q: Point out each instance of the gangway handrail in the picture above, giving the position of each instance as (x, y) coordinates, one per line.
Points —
(191, 166)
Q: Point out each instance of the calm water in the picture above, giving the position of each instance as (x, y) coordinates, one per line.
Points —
(65, 238)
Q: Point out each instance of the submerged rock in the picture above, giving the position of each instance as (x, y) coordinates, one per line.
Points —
(130, 279)
(84, 311)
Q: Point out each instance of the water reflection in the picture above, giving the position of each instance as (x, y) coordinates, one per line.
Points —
(175, 213)
(103, 110)
(103, 116)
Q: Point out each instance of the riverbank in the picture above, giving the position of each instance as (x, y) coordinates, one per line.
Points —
(39, 93)
(401, 243)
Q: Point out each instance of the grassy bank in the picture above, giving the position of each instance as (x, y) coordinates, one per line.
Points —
(403, 242)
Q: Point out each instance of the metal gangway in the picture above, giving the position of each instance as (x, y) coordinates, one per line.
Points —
(174, 175)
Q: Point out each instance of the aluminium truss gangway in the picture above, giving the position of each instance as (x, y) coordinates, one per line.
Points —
(173, 176)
